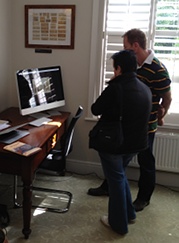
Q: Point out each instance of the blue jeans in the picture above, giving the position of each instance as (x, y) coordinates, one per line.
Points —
(120, 207)
(147, 177)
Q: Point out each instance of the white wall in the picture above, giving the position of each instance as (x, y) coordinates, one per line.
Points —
(5, 52)
(75, 69)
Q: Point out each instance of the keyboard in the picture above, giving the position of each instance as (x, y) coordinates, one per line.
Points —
(40, 121)
(11, 129)
(13, 136)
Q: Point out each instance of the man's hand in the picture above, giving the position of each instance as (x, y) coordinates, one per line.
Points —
(163, 107)
(161, 112)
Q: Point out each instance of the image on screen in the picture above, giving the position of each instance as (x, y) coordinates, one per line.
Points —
(39, 89)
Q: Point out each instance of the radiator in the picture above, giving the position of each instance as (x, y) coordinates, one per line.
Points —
(166, 152)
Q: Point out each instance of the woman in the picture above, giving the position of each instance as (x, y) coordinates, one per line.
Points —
(136, 107)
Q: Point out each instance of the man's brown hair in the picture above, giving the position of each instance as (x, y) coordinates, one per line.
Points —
(136, 35)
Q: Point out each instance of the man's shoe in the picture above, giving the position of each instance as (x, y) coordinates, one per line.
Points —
(104, 220)
(132, 221)
(139, 204)
(99, 191)
(102, 190)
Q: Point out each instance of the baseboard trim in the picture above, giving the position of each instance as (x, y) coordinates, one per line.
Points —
(83, 168)
(169, 179)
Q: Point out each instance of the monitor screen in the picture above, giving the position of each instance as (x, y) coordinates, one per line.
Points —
(39, 89)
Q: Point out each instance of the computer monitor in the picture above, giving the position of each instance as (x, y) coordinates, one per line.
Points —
(39, 89)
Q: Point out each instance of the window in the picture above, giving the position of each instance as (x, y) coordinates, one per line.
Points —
(159, 19)
(166, 43)
(120, 17)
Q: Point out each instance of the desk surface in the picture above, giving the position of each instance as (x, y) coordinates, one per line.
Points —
(11, 163)
(37, 134)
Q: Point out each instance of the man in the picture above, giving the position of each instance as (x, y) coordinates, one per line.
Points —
(126, 92)
(154, 74)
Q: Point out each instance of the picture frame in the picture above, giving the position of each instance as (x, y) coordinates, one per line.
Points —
(50, 26)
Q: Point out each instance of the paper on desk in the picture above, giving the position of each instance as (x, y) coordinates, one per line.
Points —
(4, 121)
(4, 124)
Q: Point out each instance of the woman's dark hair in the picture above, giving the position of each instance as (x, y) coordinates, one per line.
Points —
(126, 59)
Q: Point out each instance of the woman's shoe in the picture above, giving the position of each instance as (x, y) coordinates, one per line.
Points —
(104, 220)
(3, 238)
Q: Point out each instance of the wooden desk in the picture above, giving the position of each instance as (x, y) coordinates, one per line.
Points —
(11, 163)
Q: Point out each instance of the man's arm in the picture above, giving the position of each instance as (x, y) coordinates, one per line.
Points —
(164, 106)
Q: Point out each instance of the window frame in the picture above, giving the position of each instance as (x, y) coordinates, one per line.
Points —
(96, 55)
(97, 58)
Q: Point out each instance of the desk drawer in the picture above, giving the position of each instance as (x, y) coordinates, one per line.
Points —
(55, 138)
(61, 131)
(51, 142)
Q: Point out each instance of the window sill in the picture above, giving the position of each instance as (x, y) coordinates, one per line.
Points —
(93, 119)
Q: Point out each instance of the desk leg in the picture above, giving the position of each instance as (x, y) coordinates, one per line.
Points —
(16, 204)
(27, 204)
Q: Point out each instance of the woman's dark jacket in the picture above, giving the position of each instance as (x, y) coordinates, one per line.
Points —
(136, 103)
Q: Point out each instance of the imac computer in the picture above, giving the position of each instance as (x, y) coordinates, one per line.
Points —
(39, 89)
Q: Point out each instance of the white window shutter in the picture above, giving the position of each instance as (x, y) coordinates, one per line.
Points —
(159, 19)
(121, 16)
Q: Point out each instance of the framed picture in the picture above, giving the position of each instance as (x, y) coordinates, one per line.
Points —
(50, 26)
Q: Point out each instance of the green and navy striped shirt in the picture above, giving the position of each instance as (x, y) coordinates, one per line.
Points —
(154, 74)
